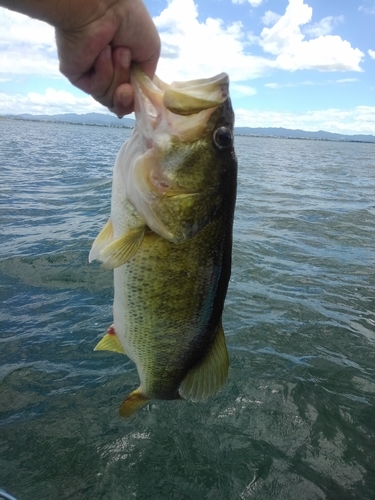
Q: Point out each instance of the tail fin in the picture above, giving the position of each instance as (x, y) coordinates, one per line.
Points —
(132, 403)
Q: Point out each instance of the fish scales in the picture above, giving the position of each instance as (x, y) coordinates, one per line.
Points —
(164, 278)
(169, 240)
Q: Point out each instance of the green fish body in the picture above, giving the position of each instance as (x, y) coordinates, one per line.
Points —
(169, 239)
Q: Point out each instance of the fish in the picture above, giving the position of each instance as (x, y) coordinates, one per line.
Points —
(169, 239)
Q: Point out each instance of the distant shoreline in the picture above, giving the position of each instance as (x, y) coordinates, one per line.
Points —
(63, 122)
(101, 120)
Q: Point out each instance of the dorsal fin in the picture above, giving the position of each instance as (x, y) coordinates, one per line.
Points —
(210, 375)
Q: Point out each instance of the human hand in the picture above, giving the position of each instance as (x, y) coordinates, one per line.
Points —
(96, 42)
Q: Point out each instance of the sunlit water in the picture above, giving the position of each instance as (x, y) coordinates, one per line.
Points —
(296, 419)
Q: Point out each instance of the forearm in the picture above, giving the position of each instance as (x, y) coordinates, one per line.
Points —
(64, 14)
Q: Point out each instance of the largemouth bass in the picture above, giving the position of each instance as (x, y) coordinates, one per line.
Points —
(169, 239)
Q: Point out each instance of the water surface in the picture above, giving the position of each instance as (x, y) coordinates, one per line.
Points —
(297, 416)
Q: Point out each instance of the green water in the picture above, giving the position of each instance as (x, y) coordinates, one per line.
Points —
(296, 419)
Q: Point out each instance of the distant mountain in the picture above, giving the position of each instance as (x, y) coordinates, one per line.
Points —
(113, 121)
(301, 134)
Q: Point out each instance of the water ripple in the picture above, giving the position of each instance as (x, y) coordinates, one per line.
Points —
(297, 416)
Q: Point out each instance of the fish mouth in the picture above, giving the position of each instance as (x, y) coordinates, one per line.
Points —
(160, 106)
(188, 98)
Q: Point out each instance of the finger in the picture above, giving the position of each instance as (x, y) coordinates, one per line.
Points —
(99, 78)
(121, 59)
(123, 100)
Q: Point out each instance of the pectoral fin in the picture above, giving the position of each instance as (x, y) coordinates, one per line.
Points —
(132, 403)
(104, 238)
(115, 252)
(110, 342)
(210, 375)
(122, 249)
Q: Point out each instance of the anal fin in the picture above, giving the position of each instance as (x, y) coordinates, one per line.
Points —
(132, 403)
(110, 342)
(210, 375)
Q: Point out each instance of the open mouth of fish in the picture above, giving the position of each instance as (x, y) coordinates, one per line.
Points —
(159, 105)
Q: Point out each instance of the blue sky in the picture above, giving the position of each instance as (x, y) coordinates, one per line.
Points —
(307, 64)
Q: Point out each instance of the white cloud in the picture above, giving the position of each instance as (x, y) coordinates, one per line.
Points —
(371, 53)
(242, 89)
(286, 33)
(217, 46)
(325, 26)
(324, 53)
(51, 102)
(253, 3)
(270, 18)
(18, 28)
(274, 85)
(193, 49)
(367, 10)
(27, 46)
(358, 120)
(345, 80)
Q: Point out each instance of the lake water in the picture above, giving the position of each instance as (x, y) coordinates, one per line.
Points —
(296, 419)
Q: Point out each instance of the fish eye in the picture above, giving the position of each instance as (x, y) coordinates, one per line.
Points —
(223, 137)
